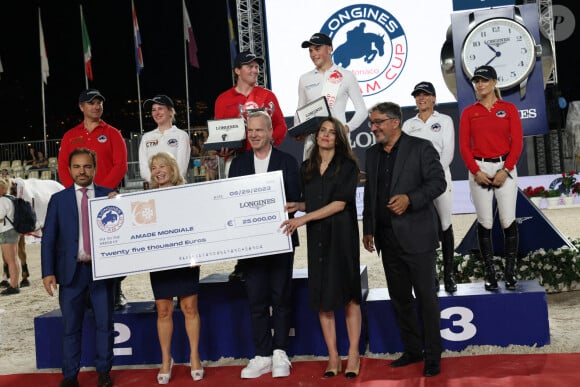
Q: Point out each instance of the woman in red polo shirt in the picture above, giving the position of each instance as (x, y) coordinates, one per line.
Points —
(491, 141)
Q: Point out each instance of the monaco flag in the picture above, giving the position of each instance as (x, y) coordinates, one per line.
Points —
(189, 38)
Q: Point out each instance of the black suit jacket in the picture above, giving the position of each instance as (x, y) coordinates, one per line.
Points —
(243, 164)
(418, 174)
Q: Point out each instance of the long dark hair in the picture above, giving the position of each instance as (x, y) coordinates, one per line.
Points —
(342, 149)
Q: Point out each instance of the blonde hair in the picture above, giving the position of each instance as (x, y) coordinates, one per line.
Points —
(173, 113)
(6, 182)
(169, 160)
(496, 92)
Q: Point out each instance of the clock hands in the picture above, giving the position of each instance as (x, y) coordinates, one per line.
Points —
(496, 52)
(491, 48)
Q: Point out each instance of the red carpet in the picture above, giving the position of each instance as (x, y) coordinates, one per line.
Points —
(490, 370)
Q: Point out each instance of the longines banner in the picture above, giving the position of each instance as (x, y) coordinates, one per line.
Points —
(387, 44)
(506, 38)
(459, 5)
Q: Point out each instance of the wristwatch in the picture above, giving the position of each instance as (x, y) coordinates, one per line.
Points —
(506, 45)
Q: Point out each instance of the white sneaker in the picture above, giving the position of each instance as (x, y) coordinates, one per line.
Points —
(257, 367)
(280, 364)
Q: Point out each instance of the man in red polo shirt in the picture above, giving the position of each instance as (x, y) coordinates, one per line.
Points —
(106, 141)
(246, 96)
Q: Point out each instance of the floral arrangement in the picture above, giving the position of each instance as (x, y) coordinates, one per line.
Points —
(568, 181)
(556, 270)
(576, 188)
(535, 192)
(552, 193)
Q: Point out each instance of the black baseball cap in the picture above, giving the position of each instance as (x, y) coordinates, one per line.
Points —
(158, 99)
(426, 87)
(485, 72)
(246, 57)
(318, 39)
(89, 94)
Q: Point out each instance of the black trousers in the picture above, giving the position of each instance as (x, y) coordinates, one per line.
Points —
(407, 274)
(268, 282)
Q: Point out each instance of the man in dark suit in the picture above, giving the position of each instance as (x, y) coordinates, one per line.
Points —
(268, 279)
(66, 261)
(404, 175)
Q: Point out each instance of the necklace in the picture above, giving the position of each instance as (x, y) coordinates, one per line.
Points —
(323, 166)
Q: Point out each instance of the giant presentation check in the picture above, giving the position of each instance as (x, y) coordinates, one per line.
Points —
(188, 225)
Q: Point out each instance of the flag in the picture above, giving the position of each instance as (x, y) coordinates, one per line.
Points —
(86, 48)
(231, 36)
(189, 38)
(137, 37)
(43, 57)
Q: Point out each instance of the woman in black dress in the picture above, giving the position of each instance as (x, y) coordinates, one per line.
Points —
(329, 179)
(182, 283)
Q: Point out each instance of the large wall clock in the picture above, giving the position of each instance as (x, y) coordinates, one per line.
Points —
(507, 45)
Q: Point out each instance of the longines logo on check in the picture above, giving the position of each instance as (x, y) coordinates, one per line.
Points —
(257, 204)
(370, 42)
(110, 219)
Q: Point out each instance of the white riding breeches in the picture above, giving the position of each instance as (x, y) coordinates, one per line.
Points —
(506, 196)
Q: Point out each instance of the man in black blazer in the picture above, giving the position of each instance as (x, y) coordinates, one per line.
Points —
(404, 175)
(268, 279)
(65, 261)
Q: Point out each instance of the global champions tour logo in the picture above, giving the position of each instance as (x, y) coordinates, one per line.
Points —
(110, 219)
(369, 42)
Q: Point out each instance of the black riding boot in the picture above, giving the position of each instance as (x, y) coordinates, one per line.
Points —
(511, 255)
(5, 283)
(25, 274)
(486, 250)
(447, 248)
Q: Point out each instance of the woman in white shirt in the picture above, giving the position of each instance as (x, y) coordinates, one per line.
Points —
(165, 138)
(8, 238)
(438, 128)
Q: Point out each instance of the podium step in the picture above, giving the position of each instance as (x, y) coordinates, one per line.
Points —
(471, 316)
(225, 328)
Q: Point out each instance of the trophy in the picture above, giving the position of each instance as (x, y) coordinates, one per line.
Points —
(309, 117)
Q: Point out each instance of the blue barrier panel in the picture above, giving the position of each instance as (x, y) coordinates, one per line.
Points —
(471, 316)
(225, 328)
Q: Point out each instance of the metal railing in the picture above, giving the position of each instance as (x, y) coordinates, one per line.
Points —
(10, 151)
(200, 168)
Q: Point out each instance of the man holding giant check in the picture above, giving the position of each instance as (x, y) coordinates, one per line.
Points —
(268, 279)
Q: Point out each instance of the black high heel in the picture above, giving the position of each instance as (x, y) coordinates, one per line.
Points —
(350, 374)
(332, 372)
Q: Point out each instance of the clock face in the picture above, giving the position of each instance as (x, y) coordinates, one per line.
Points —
(504, 44)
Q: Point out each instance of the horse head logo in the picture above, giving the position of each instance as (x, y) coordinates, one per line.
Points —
(224, 136)
(375, 52)
(359, 44)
